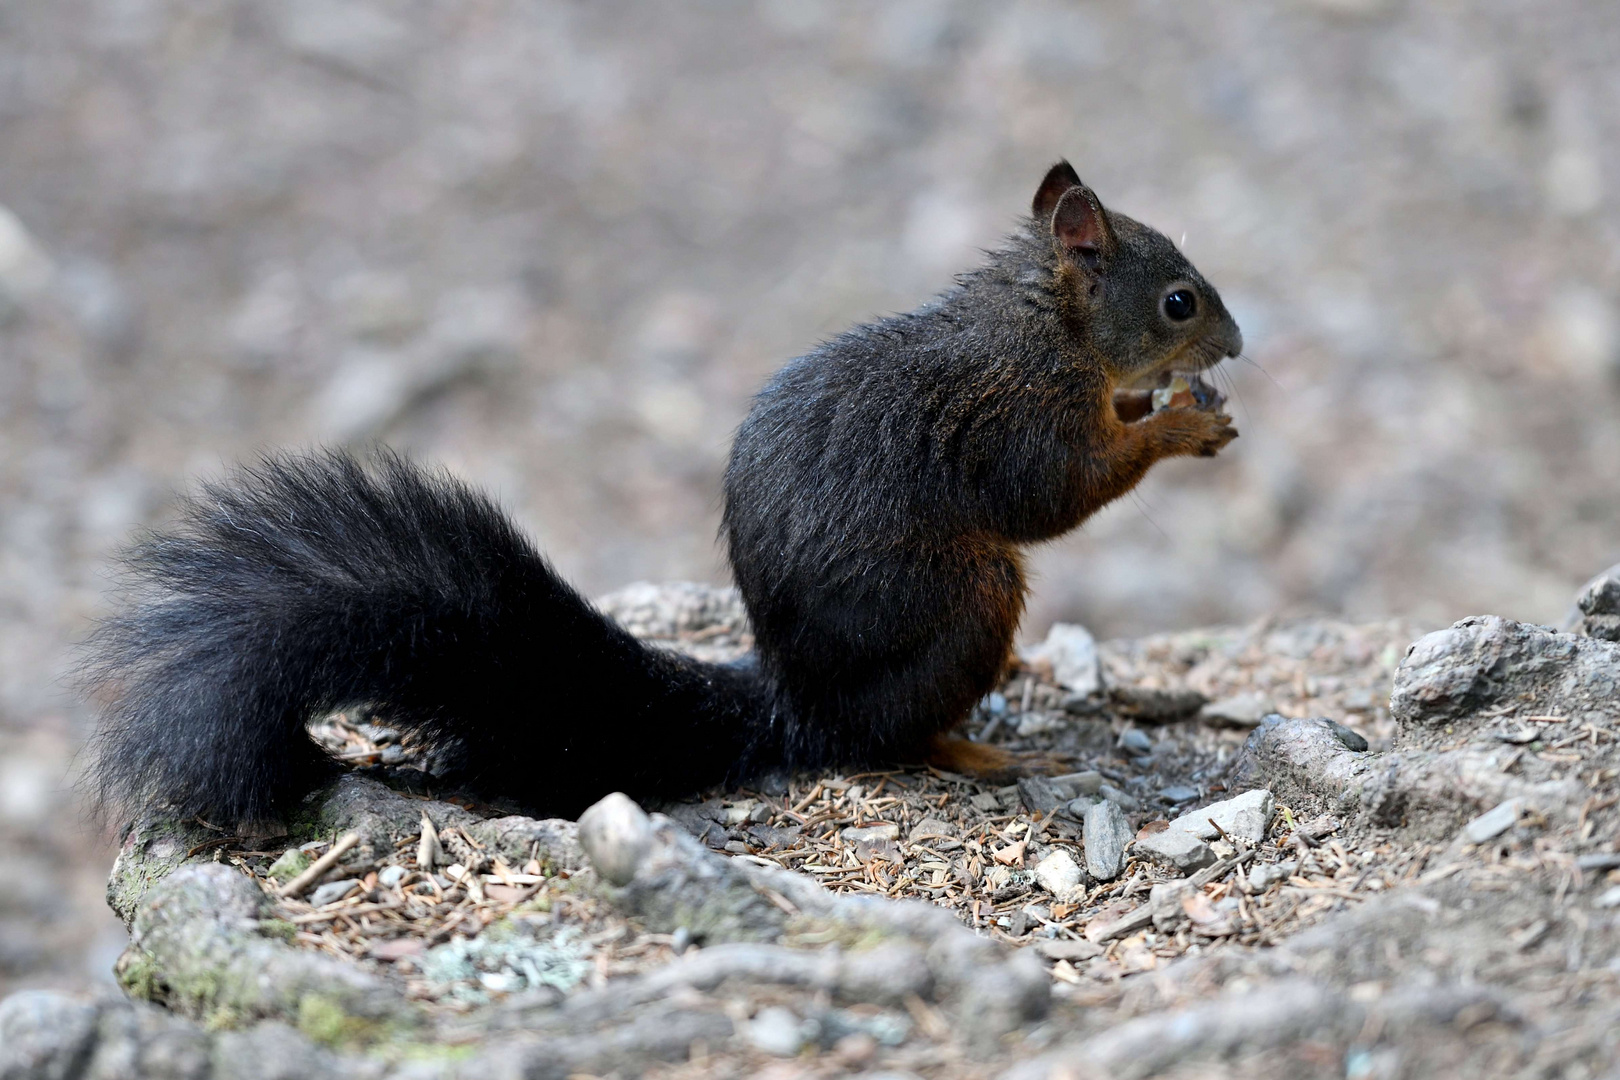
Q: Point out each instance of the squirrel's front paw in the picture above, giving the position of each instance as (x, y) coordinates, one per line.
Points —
(1221, 432)
(1195, 432)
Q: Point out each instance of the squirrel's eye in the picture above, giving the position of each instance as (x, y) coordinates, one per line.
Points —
(1180, 305)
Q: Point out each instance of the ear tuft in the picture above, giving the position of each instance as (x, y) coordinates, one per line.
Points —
(1059, 178)
(1080, 225)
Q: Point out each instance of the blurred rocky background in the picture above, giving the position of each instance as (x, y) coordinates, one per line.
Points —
(557, 245)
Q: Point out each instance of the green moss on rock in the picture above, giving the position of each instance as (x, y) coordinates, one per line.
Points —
(292, 863)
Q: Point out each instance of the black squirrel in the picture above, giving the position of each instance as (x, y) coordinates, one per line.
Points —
(876, 501)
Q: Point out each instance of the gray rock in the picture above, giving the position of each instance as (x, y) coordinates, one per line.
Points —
(389, 877)
(1039, 795)
(1601, 595)
(987, 802)
(1069, 950)
(1080, 783)
(932, 829)
(1350, 740)
(1494, 822)
(1176, 848)
(616, 835)
(1597, 607)
(1486, 660)
(44, 1034)
(871, 834)
(777, 1031)
(1179, 793)
(1072, 653)
(1265, 875)
(1245, 816)
(200, 927)
(1610, 898)
(1076, 808)
(1106, 832)
(382, 817)
(1135, 741)
(1165, 902)
(151, 850)
(888, 1028)
(333, 891)
(1058, 872)
(1126, 801)
(1237, 711)
(1605, 627)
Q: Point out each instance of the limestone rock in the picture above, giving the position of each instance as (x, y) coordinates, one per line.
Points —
(1246, 817)
(1058, 872)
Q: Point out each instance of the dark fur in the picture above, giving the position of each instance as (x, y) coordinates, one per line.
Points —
(308, 583)
(876, 500)
(881, 487)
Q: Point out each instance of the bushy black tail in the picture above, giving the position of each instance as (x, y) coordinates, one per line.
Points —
(305, 584)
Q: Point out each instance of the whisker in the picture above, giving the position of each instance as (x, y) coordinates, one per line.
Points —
(1230, 382)
(1142, 506)
(1245, 358)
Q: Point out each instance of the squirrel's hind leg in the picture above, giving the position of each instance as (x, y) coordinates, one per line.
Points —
(953, 753)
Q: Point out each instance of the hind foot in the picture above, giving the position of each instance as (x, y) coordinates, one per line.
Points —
(952, 753)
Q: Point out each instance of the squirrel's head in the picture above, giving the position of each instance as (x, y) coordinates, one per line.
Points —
(1145, 308)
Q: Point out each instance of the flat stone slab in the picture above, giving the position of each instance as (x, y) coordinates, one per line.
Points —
(1246, 817)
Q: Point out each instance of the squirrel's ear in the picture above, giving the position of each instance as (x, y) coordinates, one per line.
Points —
(1080, 225)
(1059, 178)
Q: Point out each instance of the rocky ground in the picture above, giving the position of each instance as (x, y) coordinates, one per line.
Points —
(1294, 849)
(557, 245)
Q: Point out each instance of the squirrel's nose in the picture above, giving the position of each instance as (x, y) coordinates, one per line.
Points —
(1234, 339)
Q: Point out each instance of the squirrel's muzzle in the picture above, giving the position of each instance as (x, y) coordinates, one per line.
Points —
(1230, 337)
